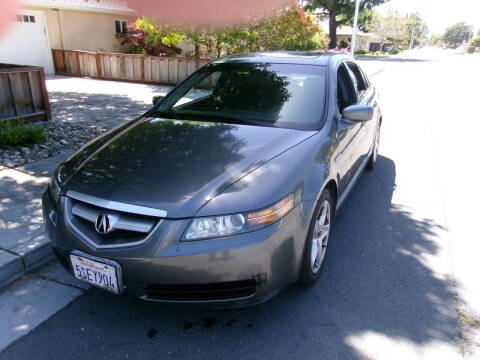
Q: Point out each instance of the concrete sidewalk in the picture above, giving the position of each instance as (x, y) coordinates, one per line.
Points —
(23, 242)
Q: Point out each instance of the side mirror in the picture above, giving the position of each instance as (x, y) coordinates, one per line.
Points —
(157, 98)
(358, 113)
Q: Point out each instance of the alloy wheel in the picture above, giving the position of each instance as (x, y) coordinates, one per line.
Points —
(320, 236)
(376, 144)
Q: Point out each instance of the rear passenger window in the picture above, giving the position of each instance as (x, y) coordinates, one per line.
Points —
(360, 82)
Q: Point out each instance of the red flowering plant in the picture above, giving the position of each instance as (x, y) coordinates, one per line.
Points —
(147, 38)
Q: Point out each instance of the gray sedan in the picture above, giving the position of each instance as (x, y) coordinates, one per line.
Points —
(225, 191)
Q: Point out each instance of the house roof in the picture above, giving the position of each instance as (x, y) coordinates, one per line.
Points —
(99, 6)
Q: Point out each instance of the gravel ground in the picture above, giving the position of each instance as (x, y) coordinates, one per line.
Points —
(78, 117)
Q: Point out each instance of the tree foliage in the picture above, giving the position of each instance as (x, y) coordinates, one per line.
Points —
(286, 29)
(435, 40)
(340, 12)
(474, 41)
(366, 21)
(397, 30)
(147, 38)
(456, 34)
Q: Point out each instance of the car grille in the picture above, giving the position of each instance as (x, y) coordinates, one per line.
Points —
(202, 292)
(125, 228)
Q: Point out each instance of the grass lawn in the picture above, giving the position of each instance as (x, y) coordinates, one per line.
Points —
(378, 55)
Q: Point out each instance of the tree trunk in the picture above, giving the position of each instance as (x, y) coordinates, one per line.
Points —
(332, 30)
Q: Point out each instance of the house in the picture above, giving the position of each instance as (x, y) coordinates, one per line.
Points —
(344, 33)
(42, 25)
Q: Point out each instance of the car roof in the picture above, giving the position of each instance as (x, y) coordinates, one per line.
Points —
(287, 57)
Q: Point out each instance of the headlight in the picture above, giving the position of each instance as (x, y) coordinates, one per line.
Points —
(215, 226)
(54, 190)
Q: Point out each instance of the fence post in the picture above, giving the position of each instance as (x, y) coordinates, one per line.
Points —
(15, 108)
(77, 60)
(143, 68)
(98, 60)
(46, 103)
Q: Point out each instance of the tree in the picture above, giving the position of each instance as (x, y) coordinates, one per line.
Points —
(397, 30)
(366, 20)
(420, 28)
(435, 40)
(392, 29)
(340, 12)
(285, 29)
(456, 34)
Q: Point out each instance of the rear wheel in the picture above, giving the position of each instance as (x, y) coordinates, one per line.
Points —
(376, 142)
(317, 240)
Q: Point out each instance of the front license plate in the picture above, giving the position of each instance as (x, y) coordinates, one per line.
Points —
(100, 274)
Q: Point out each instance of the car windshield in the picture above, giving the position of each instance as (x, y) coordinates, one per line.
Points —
(284, 95)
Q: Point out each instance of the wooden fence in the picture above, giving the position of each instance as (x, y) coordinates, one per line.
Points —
(23, 93)
(124, 67)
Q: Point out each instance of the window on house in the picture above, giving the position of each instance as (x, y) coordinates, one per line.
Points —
(121, 26)
(25, 18)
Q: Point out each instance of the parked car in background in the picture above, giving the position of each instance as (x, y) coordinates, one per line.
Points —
(224, 192)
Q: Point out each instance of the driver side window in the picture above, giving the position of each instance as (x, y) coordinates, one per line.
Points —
(346, 95)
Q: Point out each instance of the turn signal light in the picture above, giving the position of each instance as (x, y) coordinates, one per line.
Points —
(272, 213)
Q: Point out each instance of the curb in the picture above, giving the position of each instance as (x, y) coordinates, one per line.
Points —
(19, 261)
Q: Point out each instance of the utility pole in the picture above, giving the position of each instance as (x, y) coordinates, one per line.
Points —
(412, 38)
(355, 27)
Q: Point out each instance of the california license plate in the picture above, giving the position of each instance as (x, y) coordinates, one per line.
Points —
(101, 273)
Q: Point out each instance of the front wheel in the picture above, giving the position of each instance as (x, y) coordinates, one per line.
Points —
(376, 143)
(317, 239)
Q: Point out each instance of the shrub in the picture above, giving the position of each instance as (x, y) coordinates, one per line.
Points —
(146, 38)
(343, 44)
(471, 49)
(394, 51)
(362, 52)
(16, 133)
(474, 41)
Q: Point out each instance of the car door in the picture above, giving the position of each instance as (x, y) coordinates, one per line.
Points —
(363, 138)
(346, 130)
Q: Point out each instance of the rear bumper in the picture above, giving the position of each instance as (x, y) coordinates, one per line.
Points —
(233, 271)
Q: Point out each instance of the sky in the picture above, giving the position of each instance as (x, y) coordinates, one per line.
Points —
(438, 14)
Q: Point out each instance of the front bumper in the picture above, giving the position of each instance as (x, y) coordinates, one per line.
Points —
(233, 271)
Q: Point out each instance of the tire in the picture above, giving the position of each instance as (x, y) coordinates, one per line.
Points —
(373, 157)
(317, 234)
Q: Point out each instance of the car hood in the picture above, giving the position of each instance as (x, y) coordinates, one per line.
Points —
(176, 165)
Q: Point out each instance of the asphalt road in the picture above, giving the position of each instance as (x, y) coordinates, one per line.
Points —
(397, 279)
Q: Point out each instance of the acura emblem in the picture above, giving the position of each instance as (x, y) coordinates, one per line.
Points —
(103, 224)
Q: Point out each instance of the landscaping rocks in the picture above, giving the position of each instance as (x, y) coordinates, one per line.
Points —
(77, 119)
(56, 132)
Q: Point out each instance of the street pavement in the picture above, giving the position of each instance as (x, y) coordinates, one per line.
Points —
(401, 275)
